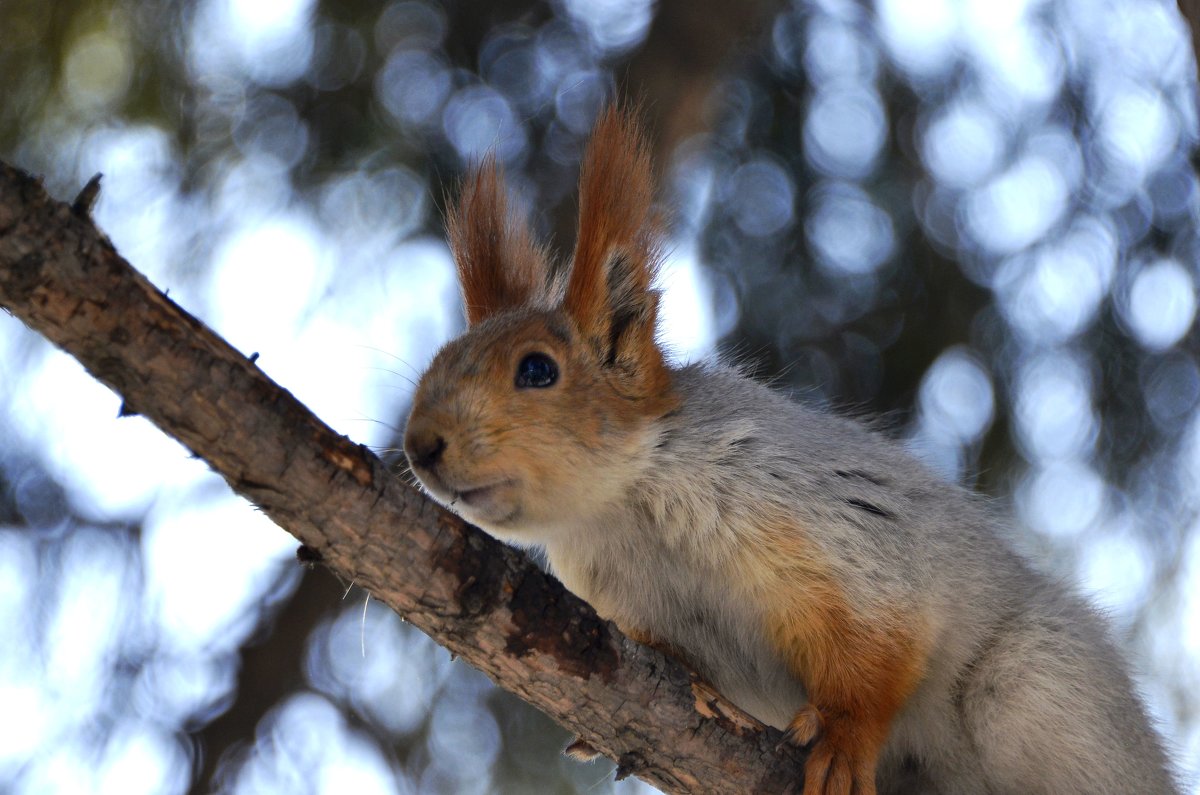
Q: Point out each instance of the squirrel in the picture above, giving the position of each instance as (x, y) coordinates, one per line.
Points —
(813, 570)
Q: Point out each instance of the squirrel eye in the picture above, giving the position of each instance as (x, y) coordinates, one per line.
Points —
(536, 370)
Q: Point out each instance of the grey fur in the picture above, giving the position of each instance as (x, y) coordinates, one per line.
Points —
(1024, 693)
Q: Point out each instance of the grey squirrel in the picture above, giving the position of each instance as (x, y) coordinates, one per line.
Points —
(814, 571)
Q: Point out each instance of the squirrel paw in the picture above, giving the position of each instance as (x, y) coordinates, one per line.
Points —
(805, 728)
(835, 766)
(581, 751)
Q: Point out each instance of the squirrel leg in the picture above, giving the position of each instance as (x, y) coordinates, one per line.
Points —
(858, 660)
(858, 673)
(805, 728)
(842, 761)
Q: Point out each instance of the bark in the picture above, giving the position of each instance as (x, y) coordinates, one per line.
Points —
(480, 599)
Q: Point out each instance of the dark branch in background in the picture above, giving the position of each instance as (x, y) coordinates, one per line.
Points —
(670, 78)
(269, 672)
(481, 600)
(686, 51)
(1191, 14)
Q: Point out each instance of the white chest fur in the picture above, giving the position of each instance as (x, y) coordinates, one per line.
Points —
(690, 606)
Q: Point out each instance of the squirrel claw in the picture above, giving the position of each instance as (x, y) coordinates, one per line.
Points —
(805, 728)
(838, 762)
(581, 751)
(828, 772)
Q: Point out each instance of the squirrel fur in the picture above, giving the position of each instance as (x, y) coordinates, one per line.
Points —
(814, 571)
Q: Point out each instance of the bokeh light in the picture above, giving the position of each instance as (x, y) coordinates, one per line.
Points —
(1162, 304)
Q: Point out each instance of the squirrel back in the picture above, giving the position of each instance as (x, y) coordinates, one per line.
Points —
(812, 569)
(1020, 690)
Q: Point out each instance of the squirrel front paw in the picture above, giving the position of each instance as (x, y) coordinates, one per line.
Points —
(835, 771)
(838, 763)
(805, 728)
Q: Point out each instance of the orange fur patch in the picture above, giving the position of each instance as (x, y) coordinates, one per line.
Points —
(858, 667)
(499, 265)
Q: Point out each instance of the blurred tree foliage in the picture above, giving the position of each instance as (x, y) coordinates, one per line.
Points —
(984, 230)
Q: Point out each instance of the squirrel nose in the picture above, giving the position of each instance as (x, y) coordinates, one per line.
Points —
(423, 447)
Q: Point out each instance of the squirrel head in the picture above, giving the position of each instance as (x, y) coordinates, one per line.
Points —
(541, 414)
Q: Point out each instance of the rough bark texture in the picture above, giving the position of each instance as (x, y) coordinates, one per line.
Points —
(483, 601)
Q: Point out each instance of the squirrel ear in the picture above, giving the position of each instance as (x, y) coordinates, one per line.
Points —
(499, 265)
(617, 253)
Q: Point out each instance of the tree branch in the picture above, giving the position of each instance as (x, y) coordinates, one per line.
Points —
(480, 599)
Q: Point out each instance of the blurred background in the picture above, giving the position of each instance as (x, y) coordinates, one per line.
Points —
(975, 219)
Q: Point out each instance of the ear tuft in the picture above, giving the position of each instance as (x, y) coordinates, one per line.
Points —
(615, 194)
(499, 265)
(609, 294)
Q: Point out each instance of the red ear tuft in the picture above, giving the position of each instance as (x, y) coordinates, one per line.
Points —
(615, 193)
(609, 294)
(499, 265)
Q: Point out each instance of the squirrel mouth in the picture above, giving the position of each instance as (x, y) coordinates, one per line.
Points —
(479, 496)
